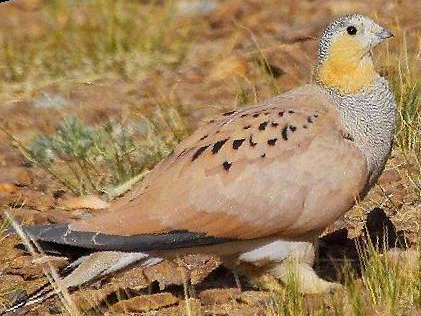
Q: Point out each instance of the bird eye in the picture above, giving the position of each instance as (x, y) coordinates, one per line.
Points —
(352, 30)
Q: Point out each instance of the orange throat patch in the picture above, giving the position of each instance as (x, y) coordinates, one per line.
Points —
(348, 68)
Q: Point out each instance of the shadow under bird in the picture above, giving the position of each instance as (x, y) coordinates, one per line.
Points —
(255, 186)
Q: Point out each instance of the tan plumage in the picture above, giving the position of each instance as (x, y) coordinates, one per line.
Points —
(292, 150)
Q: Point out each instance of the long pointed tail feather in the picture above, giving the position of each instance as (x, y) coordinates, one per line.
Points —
(43, 292)
(83, 271)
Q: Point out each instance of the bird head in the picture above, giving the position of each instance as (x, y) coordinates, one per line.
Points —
(345, 53)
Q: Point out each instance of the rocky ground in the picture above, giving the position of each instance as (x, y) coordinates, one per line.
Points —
(215, 56)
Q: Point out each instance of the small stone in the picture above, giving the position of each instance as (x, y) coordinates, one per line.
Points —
(389, 176)
(17, 294)
(23, 266)
(166, 273)
(219, 296)
(89, 299)
(16, 175)
(7, 188)
(41, 202)
(8, 283)
(55, 308)
(50, 101)
(133, 279)
(59, 194)
(145, 303)
(88, 201)
(24, 177)
(28, 269)
(199, 266)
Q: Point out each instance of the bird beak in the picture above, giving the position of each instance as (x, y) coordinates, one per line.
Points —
(384, 34)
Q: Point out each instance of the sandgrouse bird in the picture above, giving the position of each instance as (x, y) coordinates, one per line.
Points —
(256, 185)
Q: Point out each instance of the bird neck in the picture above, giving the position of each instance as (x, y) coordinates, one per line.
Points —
(348, 68)
(369, 118)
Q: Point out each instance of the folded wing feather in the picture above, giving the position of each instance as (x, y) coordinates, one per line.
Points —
(280, 168)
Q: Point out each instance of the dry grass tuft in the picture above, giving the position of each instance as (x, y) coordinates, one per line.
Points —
(88, 159)
(89, 40)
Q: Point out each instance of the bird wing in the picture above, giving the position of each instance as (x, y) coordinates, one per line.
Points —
(283, 168)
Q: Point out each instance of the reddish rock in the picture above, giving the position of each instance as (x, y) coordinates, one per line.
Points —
(10, 282)
(198, 266)
(90, 299)
(389, 176)
(88, 201)
(145, 303)
(29, 268)
(16, 175)
(219, 296)
(166, 273)
(7, 189)
(23, 266)
(133, 278)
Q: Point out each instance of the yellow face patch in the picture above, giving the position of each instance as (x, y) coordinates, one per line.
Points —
(347, 68)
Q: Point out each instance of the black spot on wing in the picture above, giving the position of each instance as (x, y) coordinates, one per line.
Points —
(218, 145)
(199, 152)
(262, 126)
(247, 127)
(274, 124)
(204, 137)
(251, 142)
(185, 150)
(281, 113)
(284, 133)
(292, 128)
(227, 165)
(61, 235)
(237, 143)
(256, 115)
(272, 142)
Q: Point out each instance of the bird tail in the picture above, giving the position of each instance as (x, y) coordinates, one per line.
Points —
(43, 292)
(83, 271)
(38, 296)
